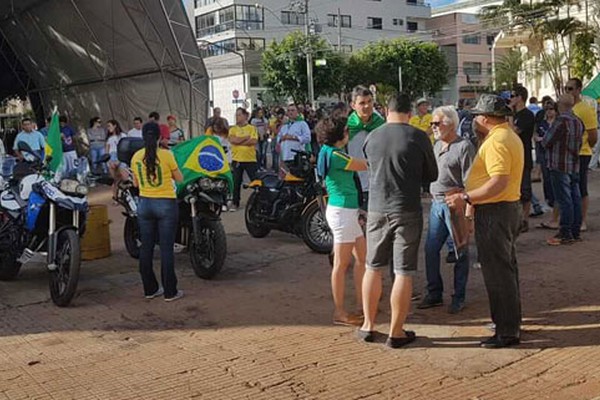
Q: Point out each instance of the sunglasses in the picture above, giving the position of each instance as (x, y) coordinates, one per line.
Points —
(569, 88)
(435, 123)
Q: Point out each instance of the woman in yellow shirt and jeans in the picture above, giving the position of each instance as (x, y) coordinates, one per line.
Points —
(154, 171)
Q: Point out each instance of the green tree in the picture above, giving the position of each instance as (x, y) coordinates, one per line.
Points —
(424, 67)
(284, 67)
(507, 69)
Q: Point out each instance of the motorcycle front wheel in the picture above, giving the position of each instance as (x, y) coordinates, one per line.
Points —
(255, 228)
(9, 266)
(208, 248)
(64, 279)
(131, 236)
(315, 231)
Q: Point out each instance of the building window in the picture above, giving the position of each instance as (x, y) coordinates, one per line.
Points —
(489, 69)
(250, 44)
(471, 39)
(229, 18)
(332, 20)
(249, 18)
(202, 3)
(412, 26)
(398, 22)
(254, 81)
(292, 18)
(490, 39)
(374, 23)
(346, 48)
(217, 48)
(471, 68)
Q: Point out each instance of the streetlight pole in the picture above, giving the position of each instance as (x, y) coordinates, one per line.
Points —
(309, 58)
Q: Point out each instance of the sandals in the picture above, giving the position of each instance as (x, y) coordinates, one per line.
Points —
(349, 320)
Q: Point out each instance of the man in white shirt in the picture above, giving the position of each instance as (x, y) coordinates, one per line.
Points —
(136, 132)
(294, 134)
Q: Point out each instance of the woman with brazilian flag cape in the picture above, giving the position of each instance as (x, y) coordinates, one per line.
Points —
(202, 157)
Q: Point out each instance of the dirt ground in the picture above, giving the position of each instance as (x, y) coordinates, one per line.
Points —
(262, 330)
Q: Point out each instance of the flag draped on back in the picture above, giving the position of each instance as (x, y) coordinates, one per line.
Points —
(202, 157)
(54, 144)
(355, 124)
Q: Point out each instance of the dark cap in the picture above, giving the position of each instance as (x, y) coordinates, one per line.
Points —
(490, 104)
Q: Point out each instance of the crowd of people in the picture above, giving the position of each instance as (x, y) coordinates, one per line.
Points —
(378, 163)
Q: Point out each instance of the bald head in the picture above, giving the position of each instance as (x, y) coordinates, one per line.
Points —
(565, 103)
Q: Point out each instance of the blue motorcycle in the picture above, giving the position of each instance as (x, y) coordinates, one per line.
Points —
(42, 218)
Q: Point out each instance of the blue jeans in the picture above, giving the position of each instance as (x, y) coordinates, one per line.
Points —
(568, 197)
(437, 234)
(275, 155)
(97, 150)
(154, 216)
(547, 182)
(261, 150)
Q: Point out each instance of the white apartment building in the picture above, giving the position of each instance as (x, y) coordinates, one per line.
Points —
(232, 33)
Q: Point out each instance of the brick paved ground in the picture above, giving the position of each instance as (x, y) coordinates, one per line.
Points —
(262, 331)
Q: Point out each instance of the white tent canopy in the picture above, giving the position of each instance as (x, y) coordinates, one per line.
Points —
(109, 58)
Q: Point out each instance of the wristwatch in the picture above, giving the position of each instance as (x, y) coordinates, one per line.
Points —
(466, 198)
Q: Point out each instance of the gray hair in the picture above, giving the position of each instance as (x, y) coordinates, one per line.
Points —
(448, 113)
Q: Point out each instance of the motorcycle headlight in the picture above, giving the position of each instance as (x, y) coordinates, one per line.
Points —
(73, 187)
(207, 184)
(222, 185)
(190, 188)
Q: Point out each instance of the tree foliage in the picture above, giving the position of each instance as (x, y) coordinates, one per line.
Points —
(546, 21)
(284, 67)
(507, 69)
(424, 67)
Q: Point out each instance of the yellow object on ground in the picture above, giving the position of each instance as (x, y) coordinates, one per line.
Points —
(96, 241)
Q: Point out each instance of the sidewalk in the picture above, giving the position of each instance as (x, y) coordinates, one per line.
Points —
(262, 330)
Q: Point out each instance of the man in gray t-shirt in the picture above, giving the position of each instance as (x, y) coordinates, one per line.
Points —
(400, 160)
(454, 156)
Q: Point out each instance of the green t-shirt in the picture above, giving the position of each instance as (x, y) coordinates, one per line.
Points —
(340, 183)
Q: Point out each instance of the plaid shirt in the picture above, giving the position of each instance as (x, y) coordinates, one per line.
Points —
(563, 142)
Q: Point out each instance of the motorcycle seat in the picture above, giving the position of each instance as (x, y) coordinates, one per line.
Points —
(270, 181)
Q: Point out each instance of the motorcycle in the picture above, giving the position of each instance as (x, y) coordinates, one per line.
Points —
(294, 205)
(200, 228)
(42, 218)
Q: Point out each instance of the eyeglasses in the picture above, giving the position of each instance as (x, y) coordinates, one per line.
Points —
(435, 123)
(569, 88)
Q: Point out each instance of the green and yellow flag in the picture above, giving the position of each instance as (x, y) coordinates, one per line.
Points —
(54, 144)
(202, 157)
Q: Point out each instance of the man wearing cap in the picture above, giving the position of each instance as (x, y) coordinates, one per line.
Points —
(493, 187)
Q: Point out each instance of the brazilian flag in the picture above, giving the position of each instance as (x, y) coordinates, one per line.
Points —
(54, 144)
(202, 157)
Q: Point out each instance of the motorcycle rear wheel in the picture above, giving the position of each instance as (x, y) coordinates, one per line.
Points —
(208, 254)
(131, 236)
(64, 280)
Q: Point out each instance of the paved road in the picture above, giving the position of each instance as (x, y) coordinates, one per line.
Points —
(262, 330)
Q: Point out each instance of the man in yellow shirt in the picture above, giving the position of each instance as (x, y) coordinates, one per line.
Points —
(423, 118)
(422, 121)
(243, 138)
(493, 187)
(587, 114)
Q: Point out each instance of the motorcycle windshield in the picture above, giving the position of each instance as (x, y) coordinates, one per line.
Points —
(62, 200)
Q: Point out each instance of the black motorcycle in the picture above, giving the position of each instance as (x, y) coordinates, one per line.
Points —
(200, 231)
(295, 205)
(42, 217)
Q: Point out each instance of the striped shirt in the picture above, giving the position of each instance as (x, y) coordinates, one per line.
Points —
(563, 142)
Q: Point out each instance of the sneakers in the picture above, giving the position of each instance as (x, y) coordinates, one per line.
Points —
(456, 307)
(429, 302)
(176, 297)
(559, 240)
(158, 293)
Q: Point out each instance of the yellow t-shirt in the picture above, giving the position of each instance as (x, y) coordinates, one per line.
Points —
(163, 186)
(587, 114)
(422, 123)
(501, 153)
(243, 153)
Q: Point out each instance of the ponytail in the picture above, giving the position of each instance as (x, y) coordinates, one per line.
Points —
(151, 135)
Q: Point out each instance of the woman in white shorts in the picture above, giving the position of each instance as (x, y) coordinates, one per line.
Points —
(339, 171)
